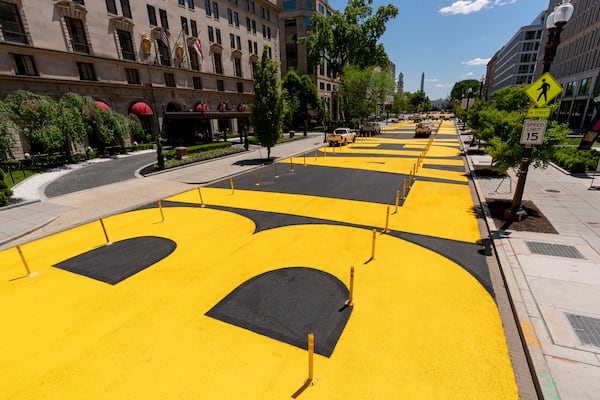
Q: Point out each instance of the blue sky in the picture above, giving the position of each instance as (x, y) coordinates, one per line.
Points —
(449, 40)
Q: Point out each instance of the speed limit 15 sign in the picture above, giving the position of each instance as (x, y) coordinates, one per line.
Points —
(533, 131)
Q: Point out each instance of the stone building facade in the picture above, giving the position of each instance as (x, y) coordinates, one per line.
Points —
(185, 67)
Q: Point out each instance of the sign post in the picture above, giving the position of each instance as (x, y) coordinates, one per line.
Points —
(542, 91)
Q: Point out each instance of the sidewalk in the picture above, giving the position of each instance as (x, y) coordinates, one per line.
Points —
(554, 280)
(38, 219)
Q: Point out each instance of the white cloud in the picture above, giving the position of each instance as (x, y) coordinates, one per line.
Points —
(477, 61)
(444, 85)
(432, 80)
(468, 74)
(464, 7)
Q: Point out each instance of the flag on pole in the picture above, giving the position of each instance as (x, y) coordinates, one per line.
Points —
(198, 47)
(164, 36)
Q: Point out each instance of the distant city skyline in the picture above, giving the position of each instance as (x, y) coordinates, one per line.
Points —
(449, 40)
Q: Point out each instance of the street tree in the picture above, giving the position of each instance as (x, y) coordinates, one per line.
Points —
(302, 98)
(70, 121)
(9, 131)
(500, 124)
(267, 104)
(349, 37)
(363, 90)
(460, 89)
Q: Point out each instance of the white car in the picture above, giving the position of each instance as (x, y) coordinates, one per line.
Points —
(341, 136)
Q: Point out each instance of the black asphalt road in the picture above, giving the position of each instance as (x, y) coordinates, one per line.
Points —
(116, 170)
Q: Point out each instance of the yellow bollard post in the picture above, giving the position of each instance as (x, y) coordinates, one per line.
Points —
(404, 189)
(275, 165)
(387, 221)
(311, 352)
(24, 261)
(351, 292)
(162, 215)
(104, 230)
(397, 200)
(231, 184)
(373, 244)
(256, 177)
(291, 165)
(201, 200)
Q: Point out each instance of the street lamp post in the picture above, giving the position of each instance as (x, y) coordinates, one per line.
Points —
(554, 24)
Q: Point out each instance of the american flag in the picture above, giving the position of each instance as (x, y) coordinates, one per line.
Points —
(164, 36)
(198, 47)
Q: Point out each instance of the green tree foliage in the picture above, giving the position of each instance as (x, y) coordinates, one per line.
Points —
(301, 98)
(70, 120)
(500, 124)
(350, 37)
(362, 90)
(5, 192)
(267, 105)
(9, 130)
(460, 89)
(136, 130)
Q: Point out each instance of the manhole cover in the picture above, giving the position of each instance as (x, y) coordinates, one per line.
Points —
(587, 329)
(551, 249)
(552, 191)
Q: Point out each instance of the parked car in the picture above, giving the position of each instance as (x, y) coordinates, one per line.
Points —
(341, 136)
(370, 128)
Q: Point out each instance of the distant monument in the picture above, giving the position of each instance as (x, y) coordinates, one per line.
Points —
(401, 84)
(423, 82)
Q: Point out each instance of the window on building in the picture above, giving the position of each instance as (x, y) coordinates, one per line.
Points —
(238, 42)
(164, 21)
(329, 87)
(321, 85)
(232, 40)
(237, 65)
(181, 2)
(248, 25)
(270, 53)
(86, 71)
(184, 26)
(584, 86)
(254, 27)
(10, 23)
(111, 6)
(570, 89)
(269, 32)
(220, 85)
(218, 35)
(163, 53)
(264, 31)
(79, 2)
(255, 48)
(289, 5)
(207, 8)
(252, 7)
(309, 5)
(24, 65)
(321, 9)
(247, 4)
(197, 82)
(218, 63)
(268, 15)
(236, 19)
(191, 4)
(79, 41)
(169, 79)
(194, 28)
(230, 16)
(194, 61)
(133, 76)
(253, 66)
(211, 35)
(126, 8)
(250, 46)
(215, 10)
(127, 50)
(151, 15)
(240, 87)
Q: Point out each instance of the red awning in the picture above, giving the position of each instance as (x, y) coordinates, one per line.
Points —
(102, 105)
(141, 108)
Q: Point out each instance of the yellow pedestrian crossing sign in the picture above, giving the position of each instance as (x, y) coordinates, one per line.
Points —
(544, 89)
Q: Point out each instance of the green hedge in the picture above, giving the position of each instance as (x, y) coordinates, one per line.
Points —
(5, 192)
(574, 160)
(171, 154)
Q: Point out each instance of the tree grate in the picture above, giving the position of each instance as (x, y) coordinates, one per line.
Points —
(586, 328)
(556, 250)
